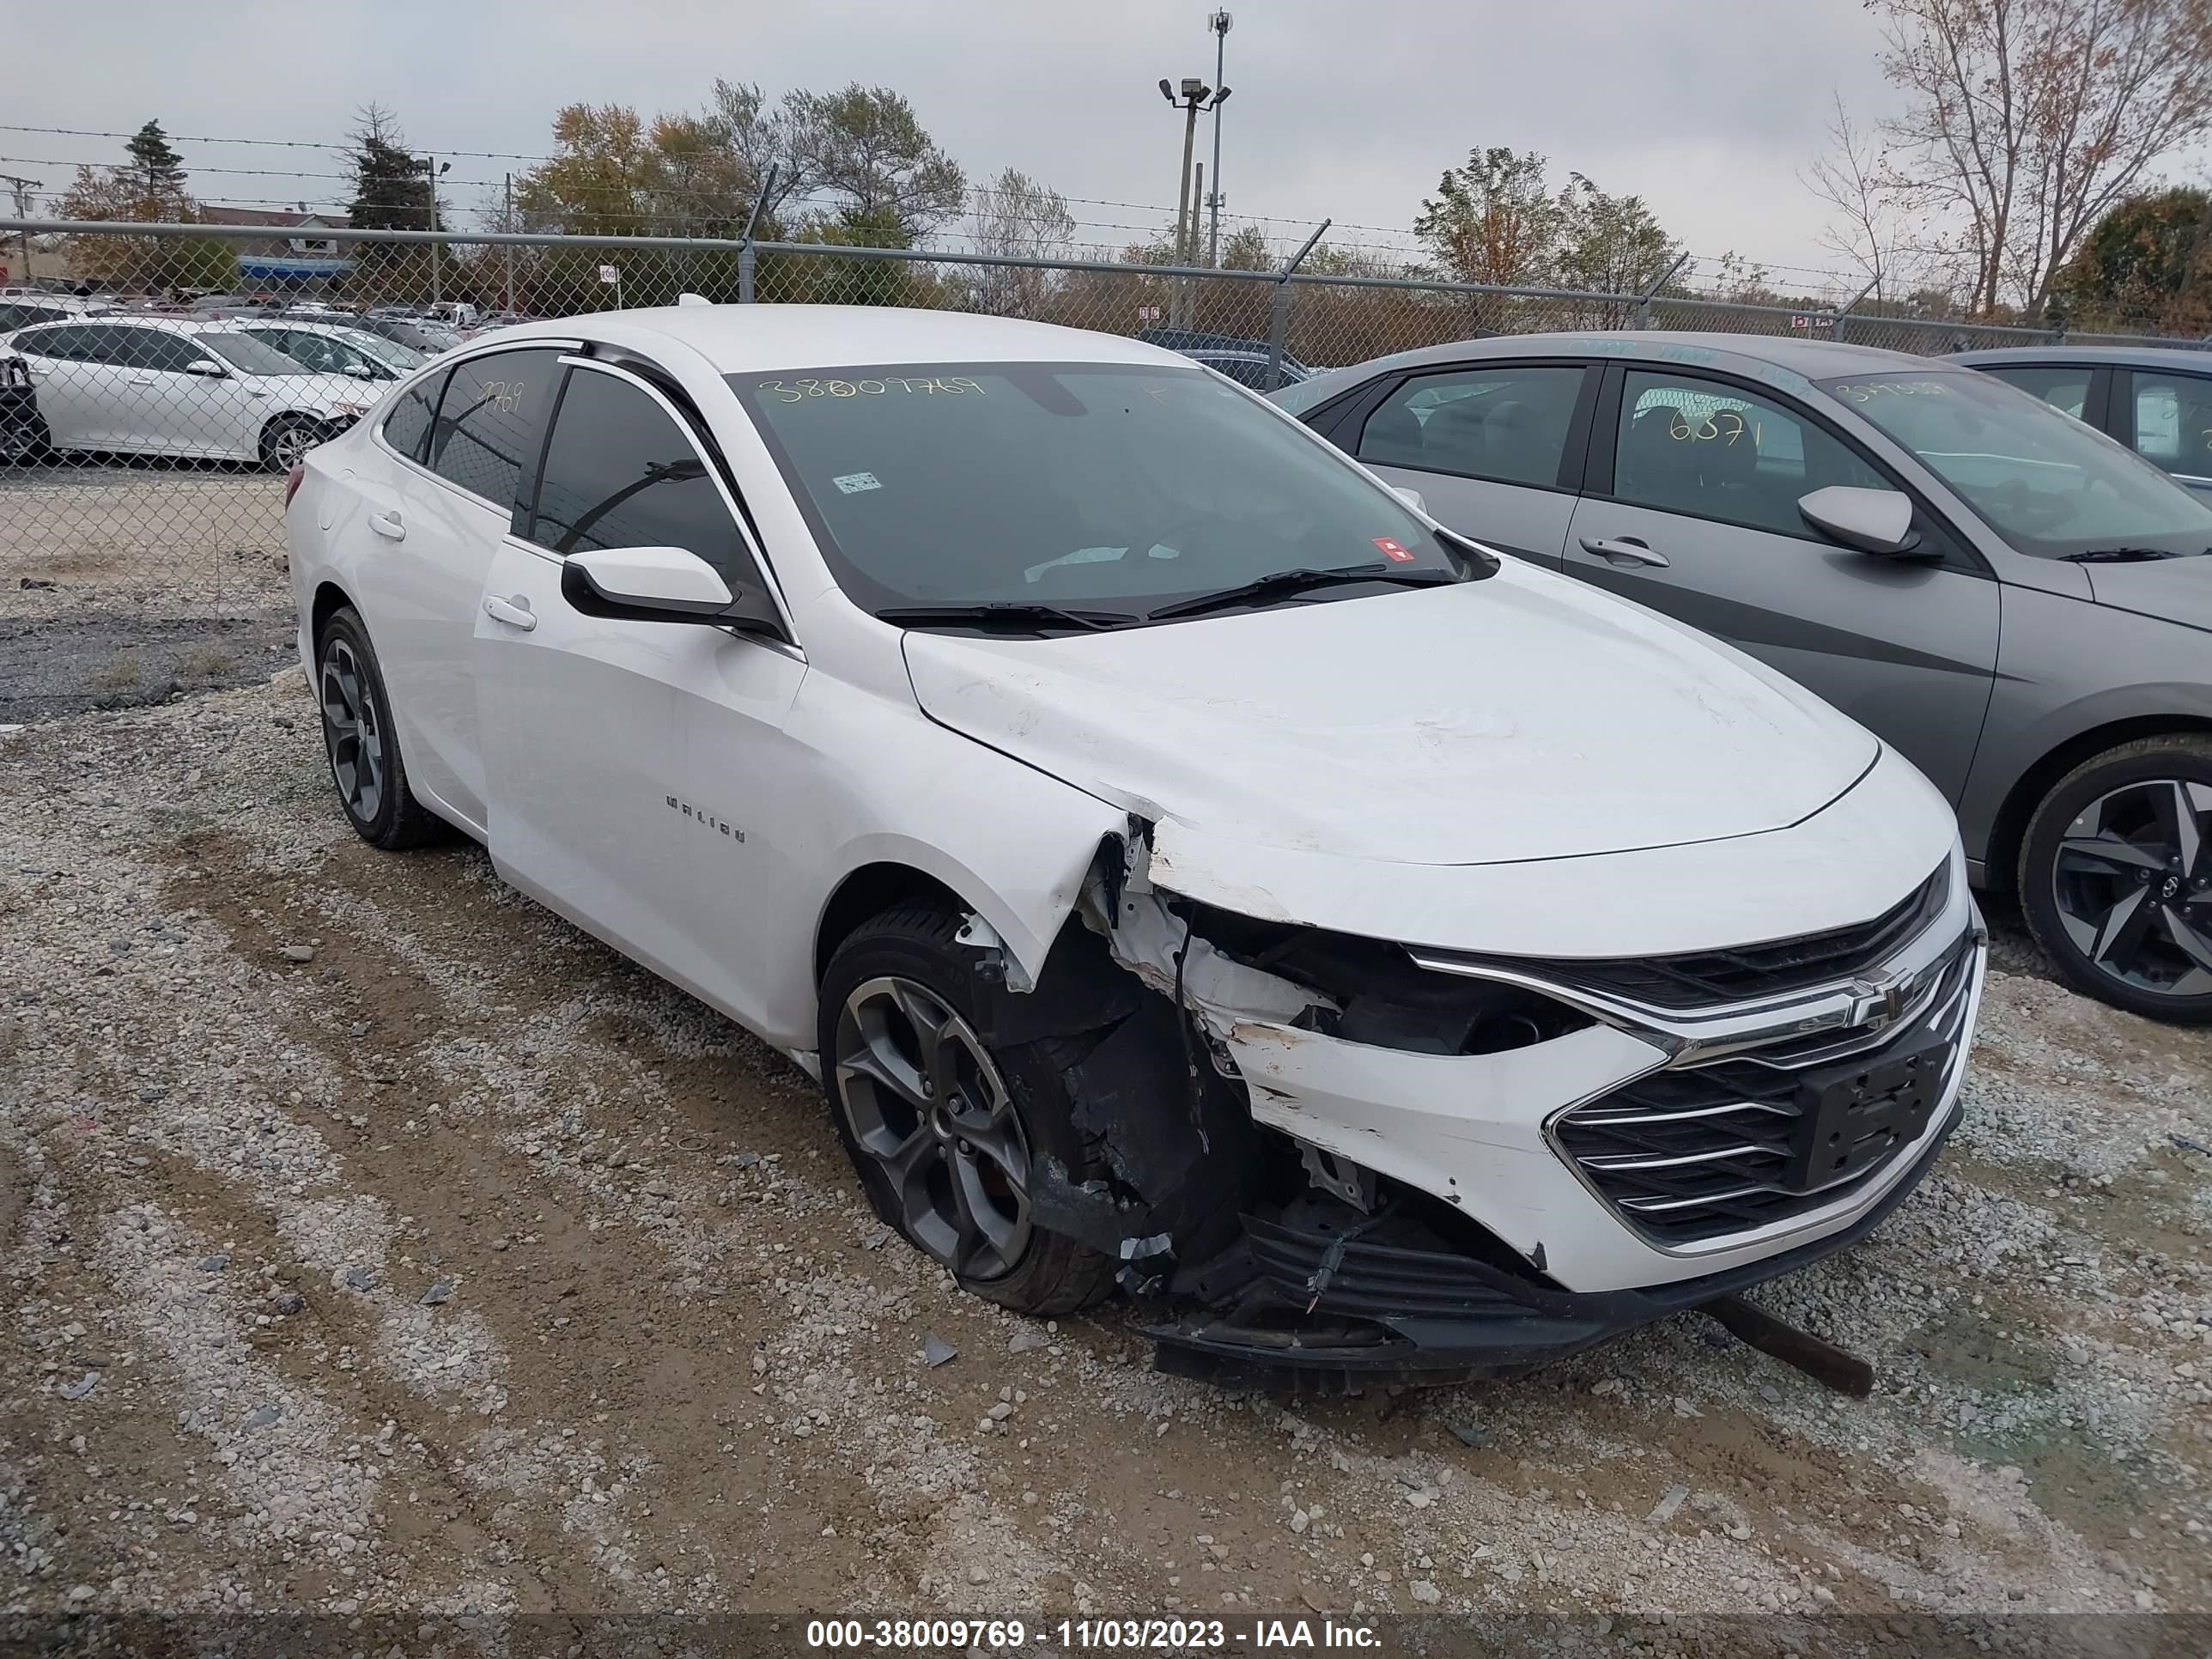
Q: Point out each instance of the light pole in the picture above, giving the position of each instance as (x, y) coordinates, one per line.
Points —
(23, 187)
(1218, 22)
(1193, 98)
(435, 170)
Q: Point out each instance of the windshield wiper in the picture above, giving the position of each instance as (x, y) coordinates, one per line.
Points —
(1282, 583)
(2123, 555)
(1017, 613)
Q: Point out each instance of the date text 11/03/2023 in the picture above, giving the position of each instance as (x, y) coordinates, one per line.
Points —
(1089, 1635)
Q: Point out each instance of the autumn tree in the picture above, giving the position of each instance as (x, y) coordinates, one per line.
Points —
(148, 189)
(2147, 264)
(1017, 217)
(865, 146)
(1493, 219)
(2025, 122)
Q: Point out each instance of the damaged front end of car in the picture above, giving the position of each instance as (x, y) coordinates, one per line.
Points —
(1332, 1157)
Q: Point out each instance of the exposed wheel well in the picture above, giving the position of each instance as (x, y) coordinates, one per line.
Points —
(2002, 856)
(329, 598)
(868, 891)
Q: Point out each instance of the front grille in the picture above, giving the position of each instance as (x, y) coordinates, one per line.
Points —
(1750, 972)
(1698, 1151)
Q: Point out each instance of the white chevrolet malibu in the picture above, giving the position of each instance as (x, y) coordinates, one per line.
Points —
(1183, 863)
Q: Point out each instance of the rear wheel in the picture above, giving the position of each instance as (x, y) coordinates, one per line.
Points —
(948, 1133)
(366, 765)
(2116, 878)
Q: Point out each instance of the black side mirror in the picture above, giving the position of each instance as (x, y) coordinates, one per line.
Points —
(663, 585)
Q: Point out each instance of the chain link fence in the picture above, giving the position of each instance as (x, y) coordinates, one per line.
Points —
(150, 404)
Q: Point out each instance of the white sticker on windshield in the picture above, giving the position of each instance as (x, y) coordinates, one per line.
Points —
(854, 482)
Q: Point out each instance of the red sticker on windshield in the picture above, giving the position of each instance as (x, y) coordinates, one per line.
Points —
(1393, 552)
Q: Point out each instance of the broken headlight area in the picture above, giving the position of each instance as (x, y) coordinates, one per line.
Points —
(1375, 995)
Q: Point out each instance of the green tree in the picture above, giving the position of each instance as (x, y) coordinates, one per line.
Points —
(866, 145)
(1610, 244)
(161, 168)
(2147, 264)
(391, 185)
(1247, 249)
(1494, 220)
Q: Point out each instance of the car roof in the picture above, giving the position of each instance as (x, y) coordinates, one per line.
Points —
(2118, 356)
(142, 320)
(1815, 360)
(740, 339)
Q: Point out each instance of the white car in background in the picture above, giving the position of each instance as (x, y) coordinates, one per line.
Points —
(161, 385)
(334, 349)
(1184, 864)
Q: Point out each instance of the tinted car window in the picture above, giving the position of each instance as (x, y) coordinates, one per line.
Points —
(149, 349)
(620, 473)
(407, 427)
(68, 344)
(2066, 389)
(1699, 446)
(13, 315)
(491, 419)
(2173, 422)
(249, 356)
(1506, 423)
(2051, 487)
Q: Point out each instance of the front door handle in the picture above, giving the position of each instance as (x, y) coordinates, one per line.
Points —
(1623, 550)
(387, 525)
(514, 612)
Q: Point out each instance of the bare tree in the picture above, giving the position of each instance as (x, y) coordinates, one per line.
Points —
(1875, 228)
(1017, 217)
(2025, 120)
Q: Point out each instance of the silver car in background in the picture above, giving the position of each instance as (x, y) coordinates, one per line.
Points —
(2019, 604)
(2155, 399)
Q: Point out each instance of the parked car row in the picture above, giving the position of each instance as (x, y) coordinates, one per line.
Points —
(160, 385)
(1185, 864)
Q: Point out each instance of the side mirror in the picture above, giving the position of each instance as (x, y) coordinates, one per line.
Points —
(362, 371)
(1411, 497)
(1877, 521)
(662, 584)
(208, 366)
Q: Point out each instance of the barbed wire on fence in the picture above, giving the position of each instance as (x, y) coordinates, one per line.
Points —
(143, 435)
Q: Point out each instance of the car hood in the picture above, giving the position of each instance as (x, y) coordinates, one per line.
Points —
(1520, 717)
(2173, 589)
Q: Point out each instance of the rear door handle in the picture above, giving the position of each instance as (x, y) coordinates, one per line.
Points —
(1623, 550)
(387, 525)
(514, 612)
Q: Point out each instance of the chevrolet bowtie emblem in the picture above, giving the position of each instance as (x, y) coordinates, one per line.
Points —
(1878, 1000)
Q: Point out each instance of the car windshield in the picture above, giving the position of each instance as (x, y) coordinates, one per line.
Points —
(2050, 486)
(1116, 487)
(249, 356)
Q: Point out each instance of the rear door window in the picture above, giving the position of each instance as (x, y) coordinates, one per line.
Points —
(2173, 427)
(491, 421)
(1509, 423)
(2063, 388)
(407, 427)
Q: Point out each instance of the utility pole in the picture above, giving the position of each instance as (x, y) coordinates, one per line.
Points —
(431, 168)
(507, 220)
(1218, 22)
(23, 187)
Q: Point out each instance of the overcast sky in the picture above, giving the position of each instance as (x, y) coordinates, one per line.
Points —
(1707, 108)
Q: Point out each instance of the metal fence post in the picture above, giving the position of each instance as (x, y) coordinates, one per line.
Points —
(1279, 308)
(1644, 300)
(1836, 329)
(748, 256)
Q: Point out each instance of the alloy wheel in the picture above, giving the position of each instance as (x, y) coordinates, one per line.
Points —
(353, 732)
(288, 445)
(2133, 881)
(924, 1099)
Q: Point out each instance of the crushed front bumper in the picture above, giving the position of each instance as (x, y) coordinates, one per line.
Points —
(1319, 1298)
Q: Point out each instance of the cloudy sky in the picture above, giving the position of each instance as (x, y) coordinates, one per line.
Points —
(1707, 108)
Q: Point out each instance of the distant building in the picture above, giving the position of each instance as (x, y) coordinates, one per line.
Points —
(293, 255)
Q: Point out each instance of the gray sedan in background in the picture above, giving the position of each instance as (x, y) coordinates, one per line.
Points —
(2155, 399)
(2018, 604)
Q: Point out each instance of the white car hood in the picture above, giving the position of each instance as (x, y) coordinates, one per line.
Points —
(319, 392)
(1519, 717)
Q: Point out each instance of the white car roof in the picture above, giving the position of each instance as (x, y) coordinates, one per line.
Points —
(741, 339)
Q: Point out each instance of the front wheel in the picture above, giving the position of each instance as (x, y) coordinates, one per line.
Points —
(2116, 878)
(948, 1133)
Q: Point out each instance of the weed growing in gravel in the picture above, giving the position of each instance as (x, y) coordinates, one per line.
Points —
(119, 673)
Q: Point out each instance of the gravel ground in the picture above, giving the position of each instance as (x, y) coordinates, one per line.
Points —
(376, 1244)
(130, 584)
